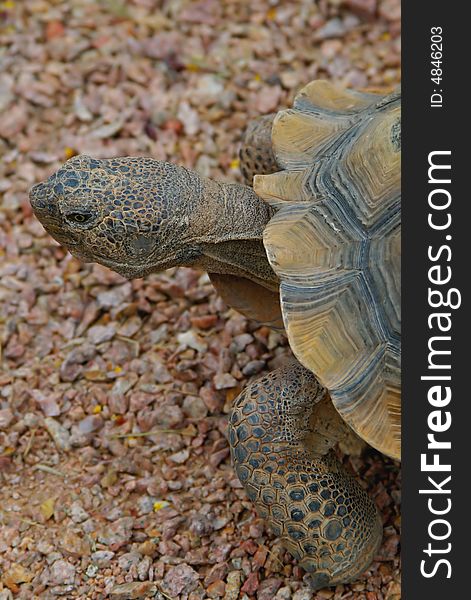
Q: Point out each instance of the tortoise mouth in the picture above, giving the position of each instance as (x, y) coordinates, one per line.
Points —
(77, 253)
(136, 270)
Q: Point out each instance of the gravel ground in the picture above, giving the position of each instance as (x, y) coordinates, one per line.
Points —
(114, 465)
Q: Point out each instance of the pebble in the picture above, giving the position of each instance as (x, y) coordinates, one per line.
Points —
(194, 408)
(218, 571)
(217, 457)
(6, 418)
(205, 322)
(46, 402)
(71, 367)
(114, 297)
(388, 549)
(128, 560)
(209, 86)
(234, 580)
(290, 79)
(101, 333)
(145, 505)
(53, 557)
(181, 579)
(62, 573)
(212, 400)
(303, 594)
(253, 367)
(74, 545)
(91, 570)
(143, 568)
(6, 91)
(189, 117)
(139, 400)
(102, 558)
(120, 387)
(44, 547)
(325, 594)
(362, 7)
(332, 29)
(201, 524)
(13, 121)
(224, 381)
(77, 513)
(240, 342)
(216, 589)
(81, 354)
(180, 457)
(331, 48)
(268, 588)
(251, 583)
(390, 9)
(267, 99)
(284, 593)
(220, 522)
(133, 590)
(147, 548)
(189, 339)
(59, 434)
(90, 424)
(118, 533)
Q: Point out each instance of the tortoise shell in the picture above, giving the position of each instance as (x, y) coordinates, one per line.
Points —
(335, 245)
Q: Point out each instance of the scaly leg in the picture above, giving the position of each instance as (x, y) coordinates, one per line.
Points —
(282, 429)
(256, 153)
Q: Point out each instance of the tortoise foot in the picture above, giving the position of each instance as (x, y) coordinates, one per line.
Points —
(282, 429)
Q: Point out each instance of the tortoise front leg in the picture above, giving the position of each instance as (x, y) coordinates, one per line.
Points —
(282, 429)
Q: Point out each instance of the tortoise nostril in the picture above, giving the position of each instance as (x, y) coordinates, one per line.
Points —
(43, 201)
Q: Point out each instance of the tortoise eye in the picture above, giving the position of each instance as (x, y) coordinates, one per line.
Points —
(79, 217)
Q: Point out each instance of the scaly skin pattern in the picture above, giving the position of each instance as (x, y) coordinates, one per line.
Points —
(322, 515)
(256, 152)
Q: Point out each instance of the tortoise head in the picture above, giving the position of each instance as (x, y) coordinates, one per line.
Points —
(129, 214)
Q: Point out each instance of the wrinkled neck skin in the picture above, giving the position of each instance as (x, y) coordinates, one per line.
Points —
(228, 221)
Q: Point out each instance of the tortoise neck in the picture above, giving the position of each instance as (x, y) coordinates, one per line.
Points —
(229, 220)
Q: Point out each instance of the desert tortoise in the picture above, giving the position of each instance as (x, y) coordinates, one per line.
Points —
(313, 248)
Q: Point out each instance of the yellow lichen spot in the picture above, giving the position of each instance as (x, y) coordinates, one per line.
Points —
(8, 5)
(47, 508)
(118, 369)
(69, 152)
(193, 68)
(9, 450)
(160, 504)
(271, 14)
(109, 478)
(97, 409)
(235, 163)
(258, 77)
(386, 36)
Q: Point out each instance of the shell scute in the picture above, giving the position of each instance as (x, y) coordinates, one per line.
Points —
(335, 244)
